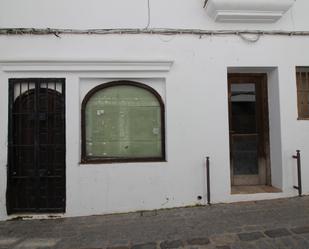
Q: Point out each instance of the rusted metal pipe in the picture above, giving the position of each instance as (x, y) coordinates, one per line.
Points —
(208, 179)
(299, 187)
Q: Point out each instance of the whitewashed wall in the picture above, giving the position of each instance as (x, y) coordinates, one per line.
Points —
(194, 90)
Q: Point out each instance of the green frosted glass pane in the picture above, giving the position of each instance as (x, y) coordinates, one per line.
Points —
(123, 121)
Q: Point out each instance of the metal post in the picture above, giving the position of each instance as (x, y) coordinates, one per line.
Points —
(208, 180)
(299, 187)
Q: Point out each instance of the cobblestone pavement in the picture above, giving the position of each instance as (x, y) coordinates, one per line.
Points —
(275, 224)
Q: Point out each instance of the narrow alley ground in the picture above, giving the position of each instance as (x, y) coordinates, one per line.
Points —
(273, 224)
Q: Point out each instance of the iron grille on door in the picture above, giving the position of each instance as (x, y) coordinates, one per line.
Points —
(36, 146)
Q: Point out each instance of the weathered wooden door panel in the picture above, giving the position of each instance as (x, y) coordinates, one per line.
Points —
(248, 120)
(36, 148)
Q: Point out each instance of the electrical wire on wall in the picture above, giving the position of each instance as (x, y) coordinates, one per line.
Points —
(148, 14)
(246, 35)
(205, 3)
(148, 31)
(250, 38)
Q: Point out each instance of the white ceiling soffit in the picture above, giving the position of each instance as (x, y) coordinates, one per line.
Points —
(244, 11)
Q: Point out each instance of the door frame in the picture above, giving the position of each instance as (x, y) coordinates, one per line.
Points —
(260, 81)
(37, 82)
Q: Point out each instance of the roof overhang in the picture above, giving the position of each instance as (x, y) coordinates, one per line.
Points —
(244, 11)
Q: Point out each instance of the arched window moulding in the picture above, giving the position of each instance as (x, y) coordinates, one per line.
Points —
(122, 121)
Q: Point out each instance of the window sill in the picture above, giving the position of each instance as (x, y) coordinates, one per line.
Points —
(302, 118)
(118, 161)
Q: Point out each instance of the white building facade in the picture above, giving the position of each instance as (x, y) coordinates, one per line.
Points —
(203, 89)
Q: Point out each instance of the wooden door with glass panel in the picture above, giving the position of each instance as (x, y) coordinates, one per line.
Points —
(248, 120)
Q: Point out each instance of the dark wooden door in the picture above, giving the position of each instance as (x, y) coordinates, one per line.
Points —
(36, 146)
(249, 135)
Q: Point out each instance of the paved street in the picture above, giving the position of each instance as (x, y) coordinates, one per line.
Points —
(275, 224)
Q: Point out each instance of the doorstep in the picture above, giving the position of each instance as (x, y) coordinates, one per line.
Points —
(254, 193)
(254, 189)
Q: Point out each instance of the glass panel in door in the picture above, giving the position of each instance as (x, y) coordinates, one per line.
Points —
(244, 134)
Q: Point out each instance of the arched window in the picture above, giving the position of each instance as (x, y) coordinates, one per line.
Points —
(122, 121)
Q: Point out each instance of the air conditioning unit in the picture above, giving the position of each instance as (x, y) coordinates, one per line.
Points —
(244, 11)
